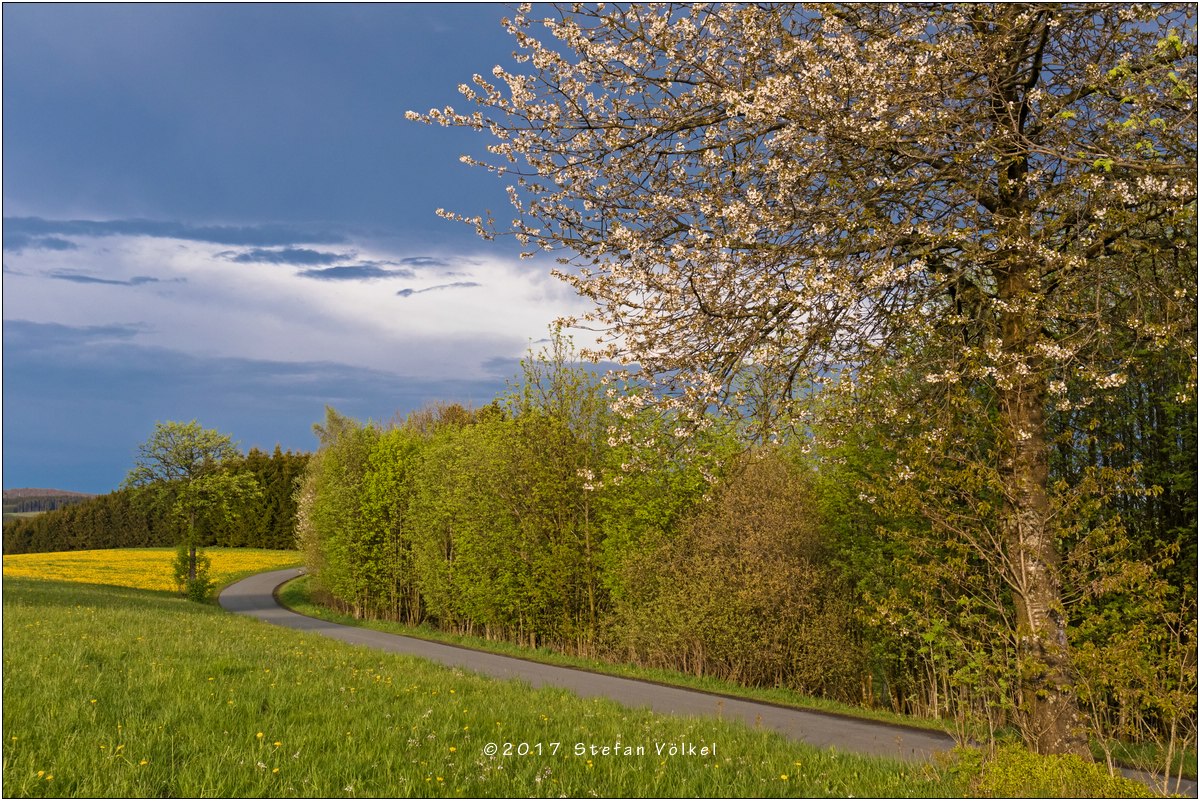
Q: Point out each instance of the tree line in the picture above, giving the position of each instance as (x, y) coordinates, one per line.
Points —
(124, 518)
(542, 520)
(548, 519)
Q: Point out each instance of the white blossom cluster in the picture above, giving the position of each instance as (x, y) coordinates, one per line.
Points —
(763, 199)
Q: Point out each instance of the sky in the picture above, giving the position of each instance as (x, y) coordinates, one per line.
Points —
(218, 212)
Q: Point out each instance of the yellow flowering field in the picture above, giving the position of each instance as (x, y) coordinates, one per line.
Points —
(142, 568)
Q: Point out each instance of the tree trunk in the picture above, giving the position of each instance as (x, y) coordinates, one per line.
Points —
(192, 547)
(1052, 718)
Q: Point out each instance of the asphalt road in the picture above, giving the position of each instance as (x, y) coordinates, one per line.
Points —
(255, 597)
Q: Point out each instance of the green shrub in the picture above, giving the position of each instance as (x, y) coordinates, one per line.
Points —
(1014, 772)
(194, 589)
(744, 592)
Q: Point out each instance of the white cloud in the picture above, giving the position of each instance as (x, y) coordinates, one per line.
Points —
(191, 297)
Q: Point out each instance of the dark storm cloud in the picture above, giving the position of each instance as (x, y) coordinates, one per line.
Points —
(191, 115)
(301, 257)
(50, 439)
(364, 271)
(250, 235)
(407, 293)
(24, 336)
(81, 278)
(425, 261)
(15, 242)
(316, 261)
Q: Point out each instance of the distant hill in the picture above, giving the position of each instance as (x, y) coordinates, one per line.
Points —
(31, 500)
(31, 492)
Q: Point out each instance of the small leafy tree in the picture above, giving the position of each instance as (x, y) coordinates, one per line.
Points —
(184, 468)
(192, 572)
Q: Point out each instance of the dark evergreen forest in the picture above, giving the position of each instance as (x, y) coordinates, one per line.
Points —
(123, 519)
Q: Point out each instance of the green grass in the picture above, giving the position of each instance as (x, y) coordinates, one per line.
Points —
(297, 595)
(1150, 757)
(112, 691)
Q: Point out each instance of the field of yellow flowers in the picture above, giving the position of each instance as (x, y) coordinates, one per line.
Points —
(142, 568)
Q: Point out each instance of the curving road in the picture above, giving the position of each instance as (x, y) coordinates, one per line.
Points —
(255, 596)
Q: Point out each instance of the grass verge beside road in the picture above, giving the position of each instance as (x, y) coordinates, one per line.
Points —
(112, 691)
(297, 596)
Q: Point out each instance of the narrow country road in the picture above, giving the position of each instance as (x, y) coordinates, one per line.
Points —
(254, 596)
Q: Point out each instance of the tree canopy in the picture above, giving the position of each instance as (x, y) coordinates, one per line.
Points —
(181, 465)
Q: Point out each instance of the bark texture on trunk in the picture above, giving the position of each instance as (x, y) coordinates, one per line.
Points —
(1052, 720)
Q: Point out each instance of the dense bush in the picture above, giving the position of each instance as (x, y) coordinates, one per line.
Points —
(492, 520)
(1015, 772)
(746, 591)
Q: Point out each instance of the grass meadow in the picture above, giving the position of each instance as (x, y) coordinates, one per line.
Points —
(298, 595)
(114, 686)
(115, 691)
